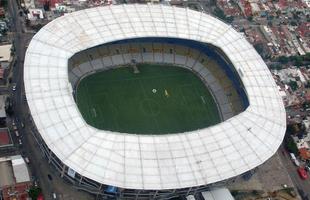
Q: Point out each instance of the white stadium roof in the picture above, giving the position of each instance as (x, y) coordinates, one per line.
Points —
(149, 161)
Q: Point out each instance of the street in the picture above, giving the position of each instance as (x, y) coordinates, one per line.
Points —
(41, 171)
(303, 186)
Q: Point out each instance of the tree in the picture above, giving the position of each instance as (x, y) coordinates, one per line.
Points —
(295, 16)
(259, 48)
(298, 61)
(212, 2)
(293, 23)
(283, 59)
(276, 66)
(3, 3)
(291, 145)
(46, 6)
(293, 85)
(307, 57)
(34, 192)
(220, 14)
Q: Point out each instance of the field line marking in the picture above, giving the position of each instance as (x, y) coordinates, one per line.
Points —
(208, 106)
(184, 98)
(203, 100)
(154, 117)
(94, 112)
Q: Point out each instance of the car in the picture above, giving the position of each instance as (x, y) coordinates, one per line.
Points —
(302, 173)
(16, 133)
(26, 160)
(14, 86)
(307, 168)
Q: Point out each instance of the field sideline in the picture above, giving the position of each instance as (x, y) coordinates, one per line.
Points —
(158, 100)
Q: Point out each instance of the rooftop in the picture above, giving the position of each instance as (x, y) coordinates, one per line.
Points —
(5, 52)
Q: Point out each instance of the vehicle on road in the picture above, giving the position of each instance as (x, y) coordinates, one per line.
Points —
(296, 162)
(14, 86)
(16, 133)
(26, 160)
(14, 127)
(302, 173)
(294, 159)
(190, 197)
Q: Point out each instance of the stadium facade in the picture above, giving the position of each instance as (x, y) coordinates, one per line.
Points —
(151, 166)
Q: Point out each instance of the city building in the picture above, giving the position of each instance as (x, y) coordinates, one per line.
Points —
(15, 179)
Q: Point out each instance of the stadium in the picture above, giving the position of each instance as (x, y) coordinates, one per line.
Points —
(150, 101)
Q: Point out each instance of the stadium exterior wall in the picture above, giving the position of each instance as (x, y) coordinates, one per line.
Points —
(100, 190)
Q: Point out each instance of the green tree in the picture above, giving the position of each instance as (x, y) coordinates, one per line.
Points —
(291, 145)
(276, 66)
(34, 192)
(283, 59)
(259, 48)
(293, 85)
(220, 14)
(298, 61)
(293, 23)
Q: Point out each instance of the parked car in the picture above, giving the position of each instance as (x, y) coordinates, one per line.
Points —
(302, 173)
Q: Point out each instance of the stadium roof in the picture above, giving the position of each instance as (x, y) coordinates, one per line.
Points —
(149, 161)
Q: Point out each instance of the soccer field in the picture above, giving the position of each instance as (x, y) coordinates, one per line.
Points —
(158, 100)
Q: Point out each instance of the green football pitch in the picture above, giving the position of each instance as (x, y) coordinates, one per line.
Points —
(158, 100)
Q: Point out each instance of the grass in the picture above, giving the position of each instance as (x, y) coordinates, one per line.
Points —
(119, 100)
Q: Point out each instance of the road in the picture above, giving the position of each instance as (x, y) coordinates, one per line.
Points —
(18, 104)
(303, 186)
(46, 175)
